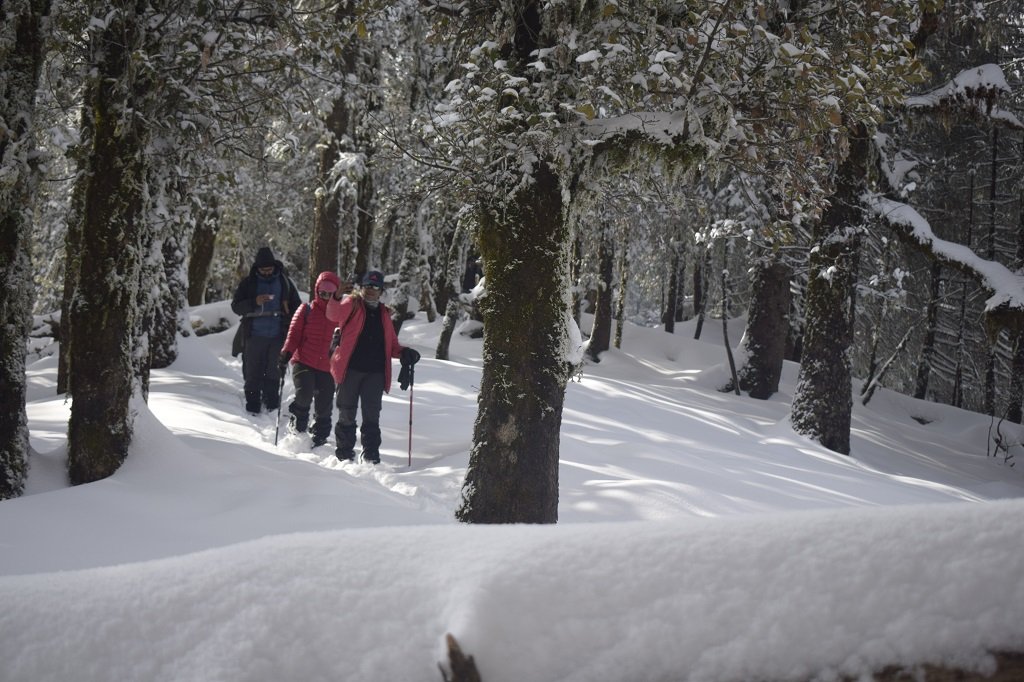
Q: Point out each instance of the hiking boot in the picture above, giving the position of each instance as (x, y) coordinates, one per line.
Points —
(345, 456)
(345, 441)
(252, 402)
(369, 438)
(297, 425)
(321, 429)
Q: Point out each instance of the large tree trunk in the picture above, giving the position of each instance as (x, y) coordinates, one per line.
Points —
(513, 466)
(325, 235)
(767, 330)
(169, 311)
(823, 403)
(601, 334)
(1015, 394)
(22, 37)
(73, 256)
(200, 256)
(103, 314)
(342, 216)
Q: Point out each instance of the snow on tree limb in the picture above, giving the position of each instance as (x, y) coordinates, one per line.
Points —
(977, 89)
(1005, 305)
(660, 127)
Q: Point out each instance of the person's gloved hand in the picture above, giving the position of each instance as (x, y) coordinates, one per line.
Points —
(405, 376)
(409, 357)
(282, 361)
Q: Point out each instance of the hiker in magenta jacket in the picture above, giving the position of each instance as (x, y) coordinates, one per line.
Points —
(361, 365)
(307, 346)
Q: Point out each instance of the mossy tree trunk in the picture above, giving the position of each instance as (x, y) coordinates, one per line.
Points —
(104, 310)
(823, 402)
(513, 466)
(22, 37)
(767, 330)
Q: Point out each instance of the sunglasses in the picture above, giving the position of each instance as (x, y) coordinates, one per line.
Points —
(373, 286)
(324, 294)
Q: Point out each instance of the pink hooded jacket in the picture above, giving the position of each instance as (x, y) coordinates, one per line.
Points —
(309, 334)
(350, 315)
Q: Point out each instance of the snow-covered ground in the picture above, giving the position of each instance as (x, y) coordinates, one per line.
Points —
(699, 538)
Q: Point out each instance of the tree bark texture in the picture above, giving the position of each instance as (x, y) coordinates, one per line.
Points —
(169, 312)
(924, 365)
(822, 402)
(22, 39)
(324, 238)
(668, 315)
(767, 330)
(513, 465)
(105, 306)
(601, 335)
(200, 251)
(620, 303)
(699, 292)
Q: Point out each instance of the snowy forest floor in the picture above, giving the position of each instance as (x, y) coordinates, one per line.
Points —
(699, 538)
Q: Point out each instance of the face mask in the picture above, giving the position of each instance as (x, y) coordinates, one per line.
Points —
(372, 304)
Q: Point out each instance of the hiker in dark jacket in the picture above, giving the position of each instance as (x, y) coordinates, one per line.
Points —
(308, 348)
(265, 300)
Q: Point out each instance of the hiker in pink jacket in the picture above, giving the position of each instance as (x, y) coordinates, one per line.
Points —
(307, 347)
(361, 365)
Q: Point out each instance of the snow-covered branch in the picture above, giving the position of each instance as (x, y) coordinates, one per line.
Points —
(975, 89)
(1005, 305)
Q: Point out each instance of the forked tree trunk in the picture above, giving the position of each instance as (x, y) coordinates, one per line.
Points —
(22, 38)
(822, 403)
(767, 329)
(513, 465)
(105, 306)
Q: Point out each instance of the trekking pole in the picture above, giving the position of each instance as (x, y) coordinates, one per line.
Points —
(412, 373)
(280, 399)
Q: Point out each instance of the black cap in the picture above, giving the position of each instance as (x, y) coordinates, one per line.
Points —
(265, 257)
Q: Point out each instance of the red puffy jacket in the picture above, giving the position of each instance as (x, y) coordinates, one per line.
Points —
(310, 332)
(350, 314)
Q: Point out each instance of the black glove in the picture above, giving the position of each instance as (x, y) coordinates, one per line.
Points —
(286, 355)
(409, 357)
(405, 376)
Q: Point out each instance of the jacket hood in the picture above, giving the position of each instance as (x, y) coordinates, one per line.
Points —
(327, 276)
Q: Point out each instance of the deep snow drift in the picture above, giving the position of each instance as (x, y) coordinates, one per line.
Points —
(699, 537)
